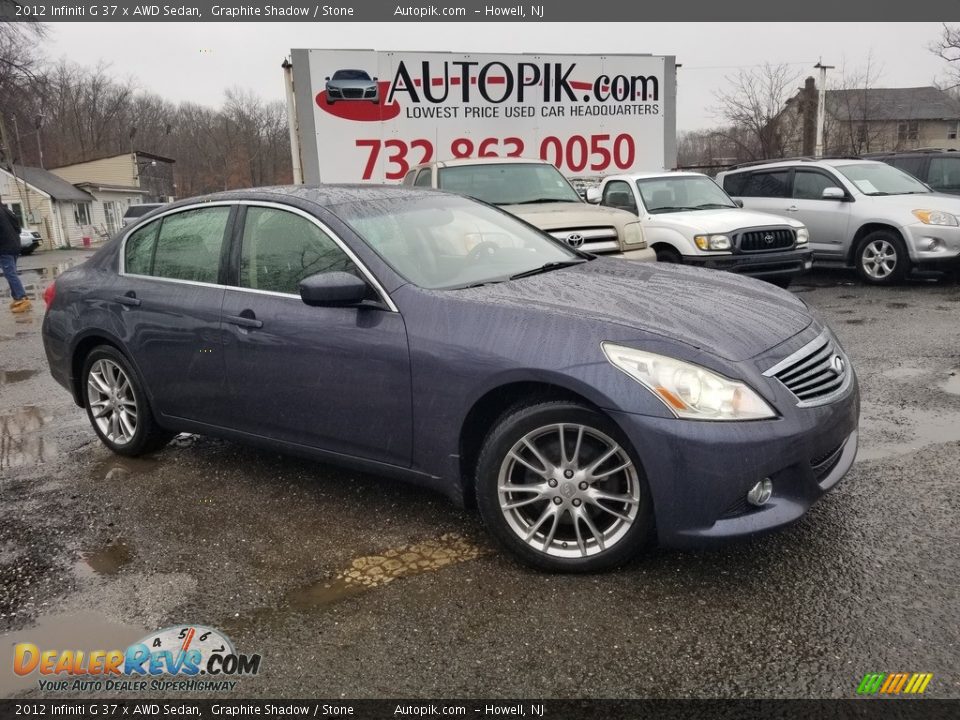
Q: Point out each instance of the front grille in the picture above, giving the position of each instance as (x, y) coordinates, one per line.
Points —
(815, 372)
(763, 240)
(591, 239)
(352, 93)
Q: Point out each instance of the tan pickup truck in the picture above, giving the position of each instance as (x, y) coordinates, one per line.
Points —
(536, 192)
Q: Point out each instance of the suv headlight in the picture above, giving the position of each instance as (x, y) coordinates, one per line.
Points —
(632, 234)
(690, 391)
(935, 217)
(803, 236)
(712, 242)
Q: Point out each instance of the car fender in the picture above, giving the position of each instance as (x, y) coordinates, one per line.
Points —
(659, 234)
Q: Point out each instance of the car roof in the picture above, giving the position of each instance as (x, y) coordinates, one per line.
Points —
(654, 174)
(805, 162)
(323, 195)
(457, 162)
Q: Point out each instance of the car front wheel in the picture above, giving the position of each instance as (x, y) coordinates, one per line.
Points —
(558, 486)
(881, 258)
(117, 406)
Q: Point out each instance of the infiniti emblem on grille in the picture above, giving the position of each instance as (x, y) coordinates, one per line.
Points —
(768, 239)
(574, 240)
(836, 364)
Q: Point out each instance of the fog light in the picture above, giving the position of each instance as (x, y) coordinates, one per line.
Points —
(932, 244)
(760, 493)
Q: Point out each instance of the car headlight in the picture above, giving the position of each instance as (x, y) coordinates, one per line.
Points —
(803, 236)
(712, 242)
(632, 234)
(690, 391)
(935, 217)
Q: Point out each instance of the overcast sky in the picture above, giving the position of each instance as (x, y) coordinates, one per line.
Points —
(197, 61)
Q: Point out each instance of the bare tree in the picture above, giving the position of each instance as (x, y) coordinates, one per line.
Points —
(853, 123)
(753, 106)
(948, 48)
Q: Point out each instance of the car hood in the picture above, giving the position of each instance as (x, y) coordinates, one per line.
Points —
(353, 84)
(563, 215)
(923, 201)
(728, 315)
(719, 220)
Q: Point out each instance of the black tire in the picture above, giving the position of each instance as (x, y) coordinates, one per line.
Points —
(667, 254)
(26, 251)
(148, 436)
(885, 241)
(781, 282)
(528, 419)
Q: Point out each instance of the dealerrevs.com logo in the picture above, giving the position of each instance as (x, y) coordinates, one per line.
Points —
(188, 658)
(894, 683)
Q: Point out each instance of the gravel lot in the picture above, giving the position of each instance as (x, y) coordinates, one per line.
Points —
(289, 557)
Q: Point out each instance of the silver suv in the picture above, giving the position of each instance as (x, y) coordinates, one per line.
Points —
(859, 212)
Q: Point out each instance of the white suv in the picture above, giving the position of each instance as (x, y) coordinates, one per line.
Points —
(859, 212)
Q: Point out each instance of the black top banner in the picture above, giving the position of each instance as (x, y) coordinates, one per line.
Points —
(596, 11)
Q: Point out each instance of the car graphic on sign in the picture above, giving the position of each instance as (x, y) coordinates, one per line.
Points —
(351, 85)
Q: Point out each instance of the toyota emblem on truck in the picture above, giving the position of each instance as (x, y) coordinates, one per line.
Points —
(575, 240)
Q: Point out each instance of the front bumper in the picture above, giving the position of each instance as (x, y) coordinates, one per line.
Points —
(768, 264)
(934, 245)
(699, 472)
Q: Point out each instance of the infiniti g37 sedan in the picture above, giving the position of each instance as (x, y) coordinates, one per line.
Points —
(585, 406)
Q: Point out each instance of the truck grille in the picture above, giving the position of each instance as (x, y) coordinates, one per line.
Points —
(815, 373)
(589, 239)
(763, 240)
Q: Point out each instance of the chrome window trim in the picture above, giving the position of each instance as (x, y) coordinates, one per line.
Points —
(827, 336)
(370, 278)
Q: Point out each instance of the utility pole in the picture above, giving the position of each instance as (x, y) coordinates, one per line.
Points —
(821, 104)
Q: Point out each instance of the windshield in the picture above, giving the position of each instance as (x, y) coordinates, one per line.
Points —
(350, 75)
(881, 179)
(509, 183)
(685, 192)
(451, 242)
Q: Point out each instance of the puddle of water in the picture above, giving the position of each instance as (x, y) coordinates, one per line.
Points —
(85, 631)
(372, 571)
(21, 440)
(952, 383)
(926, 431)
(35, 280)
(8, 377)
(108, 560)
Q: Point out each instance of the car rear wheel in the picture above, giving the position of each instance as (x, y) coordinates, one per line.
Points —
(881, 258)
(117, 406)
(558, 486)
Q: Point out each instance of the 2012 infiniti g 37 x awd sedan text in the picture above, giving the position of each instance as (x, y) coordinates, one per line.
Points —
(585, 405)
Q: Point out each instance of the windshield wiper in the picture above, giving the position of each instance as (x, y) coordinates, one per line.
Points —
(540, 200)
(547, 267)
(668, 208)
(710, 206)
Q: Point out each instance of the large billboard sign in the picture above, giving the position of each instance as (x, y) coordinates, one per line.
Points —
(364, 115)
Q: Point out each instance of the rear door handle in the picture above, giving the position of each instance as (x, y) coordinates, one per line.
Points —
(244, 321)
(130, 299)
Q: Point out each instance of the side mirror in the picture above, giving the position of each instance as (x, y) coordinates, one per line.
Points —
(333, 289)
(374, 78)
(327, 78)
(594, 195)
(738, 202)
(833, 193)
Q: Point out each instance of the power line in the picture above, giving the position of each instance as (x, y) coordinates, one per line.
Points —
(740, 67)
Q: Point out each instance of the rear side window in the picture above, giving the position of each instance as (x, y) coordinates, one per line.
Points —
(809, 185)
(733, 184)
(944, 174)
(280, 249)
(138, 254)
(766, 184)
(912, 165)
(189, 243)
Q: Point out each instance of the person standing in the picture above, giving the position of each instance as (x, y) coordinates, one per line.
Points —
(9, 252)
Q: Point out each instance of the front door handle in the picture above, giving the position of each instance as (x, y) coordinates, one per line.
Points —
(245, 319)
(792, 208)
(130, 299)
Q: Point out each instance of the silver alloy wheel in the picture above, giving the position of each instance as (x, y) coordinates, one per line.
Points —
(879, 259)
(568, 490)
(112, 402)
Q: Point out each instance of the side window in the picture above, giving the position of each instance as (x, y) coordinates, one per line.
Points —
(138, 253)
(618, 194)
(944, 174)
(280, 249)
(767, 184)
(733, 184)
(424, 179)
(188, 246)
(809, 185)
(408, 178)
(912, 164)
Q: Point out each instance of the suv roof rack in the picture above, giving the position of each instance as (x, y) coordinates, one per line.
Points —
(769, 161)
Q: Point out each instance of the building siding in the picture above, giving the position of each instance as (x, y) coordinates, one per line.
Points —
(118, 170)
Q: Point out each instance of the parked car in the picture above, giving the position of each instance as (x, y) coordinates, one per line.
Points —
(135, 212)
(351, 85)
(29, 241)
(687, 218)
(585, 405)
(940, 169)
(862, 213)
(535, 191)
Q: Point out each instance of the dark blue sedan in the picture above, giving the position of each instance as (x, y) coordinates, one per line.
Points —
(586, 406)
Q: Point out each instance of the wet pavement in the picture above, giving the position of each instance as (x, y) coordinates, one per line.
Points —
(351, 585)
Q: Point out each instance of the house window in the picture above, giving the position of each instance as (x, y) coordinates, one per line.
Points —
(952, 132)
(81, 213)
(17, 209)
(861, 133)
(908, 130)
